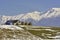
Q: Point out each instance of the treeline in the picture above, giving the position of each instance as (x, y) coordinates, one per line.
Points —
(26, 23)
(17, 22)
(22, 23)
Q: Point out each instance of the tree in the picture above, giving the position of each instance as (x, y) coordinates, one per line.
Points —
(29, 23)
(22, 23)
(25, 23)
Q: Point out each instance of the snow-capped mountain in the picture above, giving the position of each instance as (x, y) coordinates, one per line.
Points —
(54, 12)
(49, 18)
(22, 17)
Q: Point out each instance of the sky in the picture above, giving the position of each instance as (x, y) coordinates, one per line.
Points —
(16, 7)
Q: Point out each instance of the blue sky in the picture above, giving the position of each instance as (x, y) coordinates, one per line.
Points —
(15, 7)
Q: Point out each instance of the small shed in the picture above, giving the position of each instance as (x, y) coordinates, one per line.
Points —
(11, 22)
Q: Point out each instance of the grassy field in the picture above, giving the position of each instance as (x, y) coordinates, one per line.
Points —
(30, 33)
(8, 34)
(45, 32)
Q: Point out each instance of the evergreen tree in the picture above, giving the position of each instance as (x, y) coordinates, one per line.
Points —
(29, 23)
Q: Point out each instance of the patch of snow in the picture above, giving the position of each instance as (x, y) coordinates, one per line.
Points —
(12, 27)
(50, 30)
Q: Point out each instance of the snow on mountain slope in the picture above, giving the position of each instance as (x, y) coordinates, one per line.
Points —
(53, 12)
(34, 15)
(51, 17)
(5, 18)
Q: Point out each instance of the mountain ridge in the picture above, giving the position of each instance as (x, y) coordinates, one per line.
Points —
(49, 18)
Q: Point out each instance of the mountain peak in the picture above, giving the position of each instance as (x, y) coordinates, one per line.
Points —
(57, 9)
(34, 15)
(36, 12)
